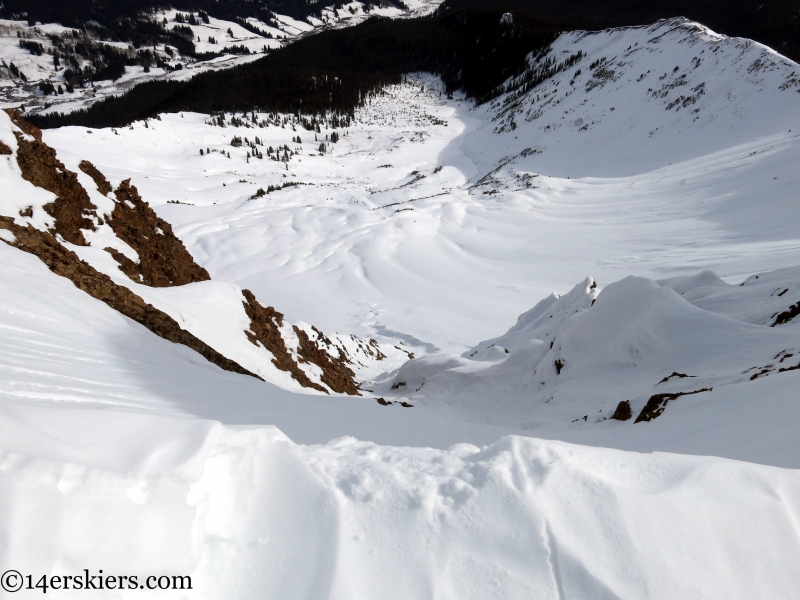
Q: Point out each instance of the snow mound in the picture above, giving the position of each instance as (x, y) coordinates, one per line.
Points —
(576, 358)
(771, 298)
(246, 513)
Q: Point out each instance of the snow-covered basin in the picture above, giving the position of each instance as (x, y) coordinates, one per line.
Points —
(437, 221)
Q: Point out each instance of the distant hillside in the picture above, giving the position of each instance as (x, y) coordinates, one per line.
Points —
(473, 50)
(772, 22)
(470, 44)
(115, 14)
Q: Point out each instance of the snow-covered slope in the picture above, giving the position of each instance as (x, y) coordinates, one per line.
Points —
(627, 352)
(655, 96)
(100, 477)
(63, 213)
(17, 92)
(429, 223)
(246, 513)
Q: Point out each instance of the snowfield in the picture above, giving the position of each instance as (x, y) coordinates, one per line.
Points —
(631, 436)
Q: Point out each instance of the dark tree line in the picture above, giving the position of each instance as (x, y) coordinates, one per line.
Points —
(337, 70)
(772, 22)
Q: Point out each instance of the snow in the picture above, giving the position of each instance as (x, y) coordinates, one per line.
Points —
(429, 227)
(758, 299)
(575, 359)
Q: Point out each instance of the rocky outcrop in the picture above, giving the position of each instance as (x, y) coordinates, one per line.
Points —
(623, 412)
(163, 259)
(72, 209)
(265, 323)
(658, 402)
(4, 148)
(335, 372)
(99, 179)
(787, 315)
(66, 263)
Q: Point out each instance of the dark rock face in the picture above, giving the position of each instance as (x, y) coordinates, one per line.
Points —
(72, 209)
(163, 259)
(99, 179)
(264, 331)
(658, 402)
(4, 149)
(623, 412)
(335, 372)
(66, 263)
(787, 315)
(264, 324)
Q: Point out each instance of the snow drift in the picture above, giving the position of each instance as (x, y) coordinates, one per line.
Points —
(577, 357)
(249, 514)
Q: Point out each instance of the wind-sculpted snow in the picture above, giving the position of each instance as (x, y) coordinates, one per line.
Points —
(249, 514)
(426, 220)
(763, 299)
(575, 358)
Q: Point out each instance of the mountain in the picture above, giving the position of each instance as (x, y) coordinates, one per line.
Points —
(168, 410)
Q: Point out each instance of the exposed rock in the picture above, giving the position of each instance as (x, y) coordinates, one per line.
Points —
(163, 259)
(787, 315)
(335, 372)
(264, 331)
(623, 412)
(4, 149)
(658, 402)
(99, 179)
(66, 263)
(674, 374)
(72, 209)
(16, 118)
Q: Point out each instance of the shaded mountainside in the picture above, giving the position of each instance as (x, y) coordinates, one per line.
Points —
(69, 217)
(473, 51)
(469, 44)
(770, 22)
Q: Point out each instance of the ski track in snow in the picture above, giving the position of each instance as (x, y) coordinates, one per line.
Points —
(433, 223)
